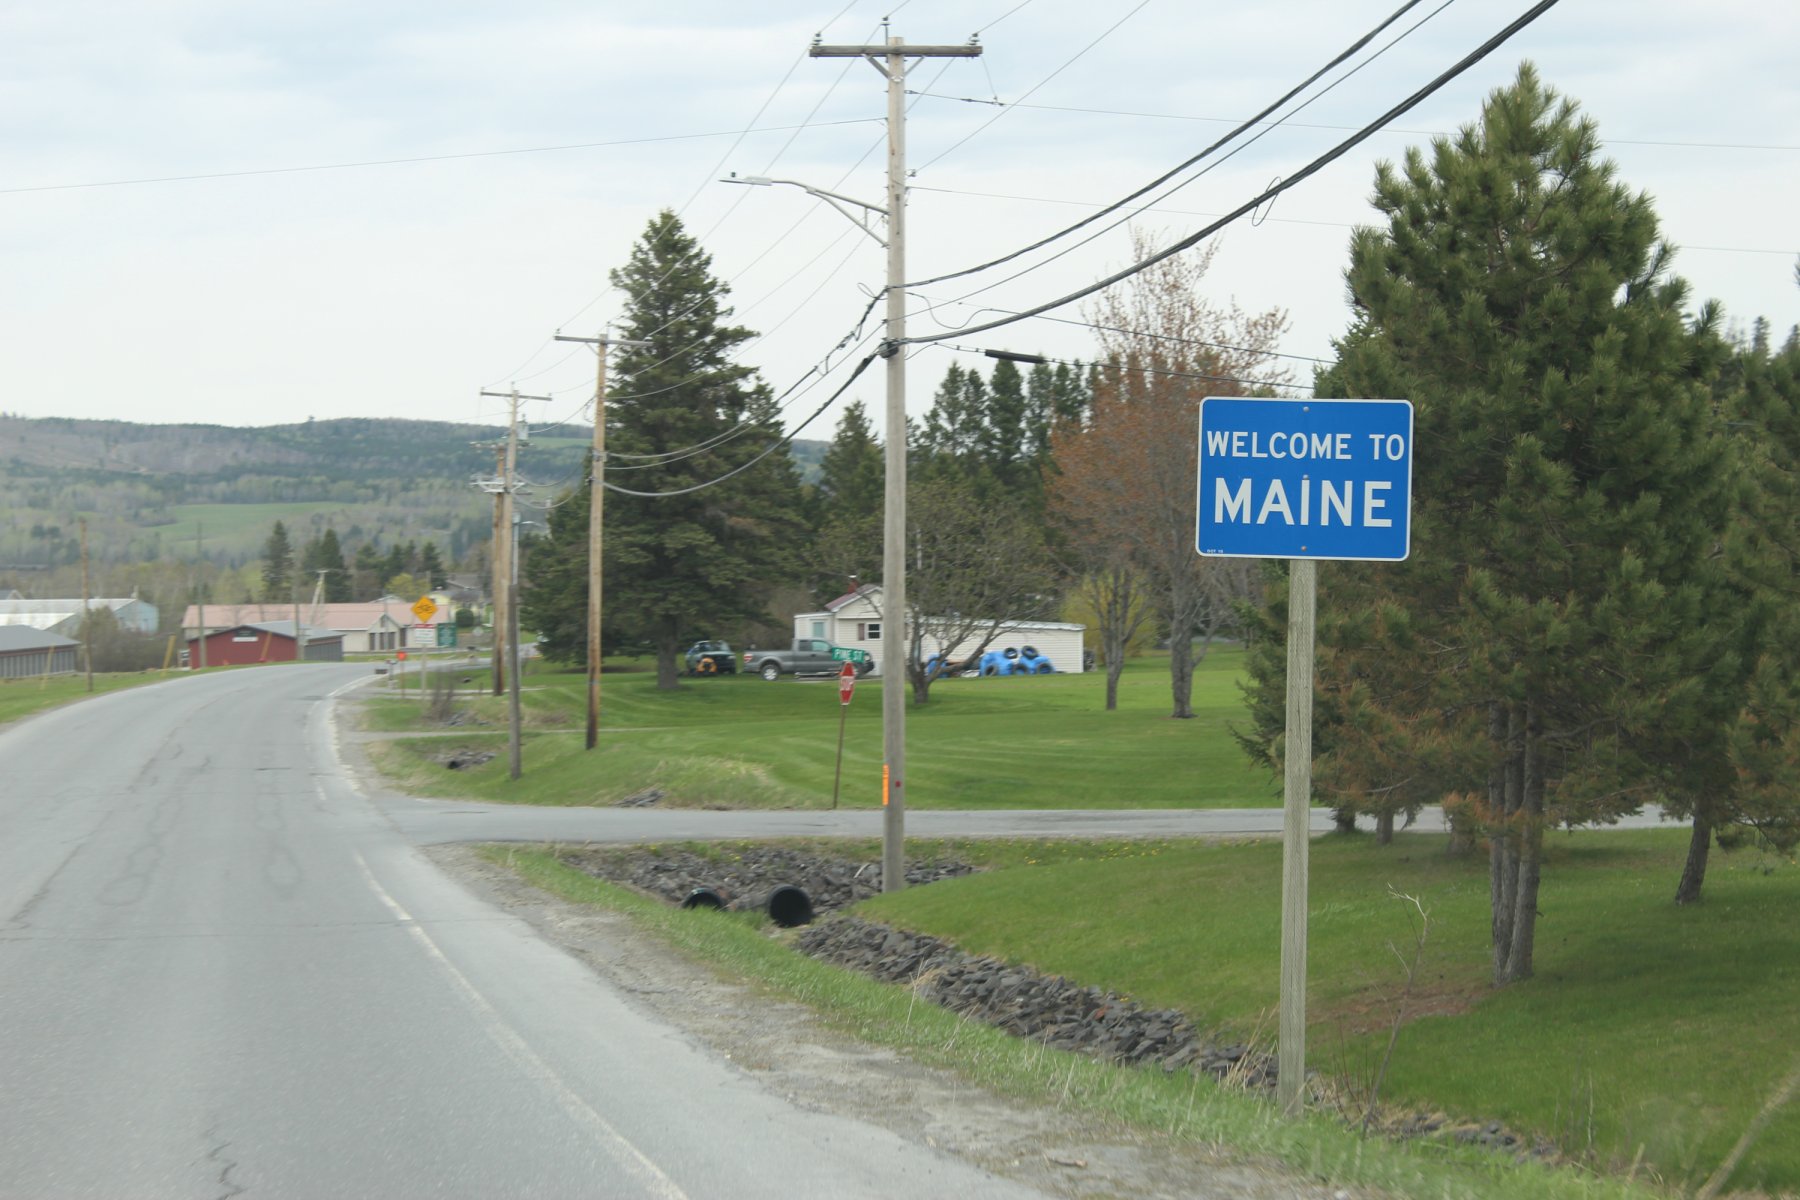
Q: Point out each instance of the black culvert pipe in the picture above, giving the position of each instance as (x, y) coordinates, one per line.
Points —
(703, 897)
(789, 906)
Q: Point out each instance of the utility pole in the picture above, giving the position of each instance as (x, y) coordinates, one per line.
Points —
(507, 568)
(200, 592)
(596, 525)
(515, 749)
(87, 614)
(497, 570)
(890, 60)
(299, 629)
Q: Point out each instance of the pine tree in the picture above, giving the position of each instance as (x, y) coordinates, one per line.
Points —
(366, 581)
(1549, 642)
(324, 554)
(431, 567)
(852, 474)
(394, 564)
(1742, 770)
(278, 564)
(681, 415)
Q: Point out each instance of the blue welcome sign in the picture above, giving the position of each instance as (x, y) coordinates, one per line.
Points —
(1327, 479)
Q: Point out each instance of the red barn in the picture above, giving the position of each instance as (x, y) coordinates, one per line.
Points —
(264, 642)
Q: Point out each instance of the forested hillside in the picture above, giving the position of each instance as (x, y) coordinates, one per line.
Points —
(152, 493)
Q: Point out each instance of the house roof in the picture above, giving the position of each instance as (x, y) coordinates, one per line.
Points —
(42, 614)
(866, 591)
(23, 637)
(339, 617)
(869, 591)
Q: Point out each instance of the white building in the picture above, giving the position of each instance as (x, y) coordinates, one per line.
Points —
(64, 616)
(855, 620)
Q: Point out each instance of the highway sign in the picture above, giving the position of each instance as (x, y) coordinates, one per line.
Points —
(424, 608)
(846, 682)
(1305, 479)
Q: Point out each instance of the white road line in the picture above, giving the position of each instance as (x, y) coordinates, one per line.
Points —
(627, 1155)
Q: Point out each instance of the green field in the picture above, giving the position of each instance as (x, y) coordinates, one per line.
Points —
(243, 527)
(1040, 741)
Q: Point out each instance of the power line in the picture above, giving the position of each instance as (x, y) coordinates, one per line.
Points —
(1190, 212)
(1067, 362)
(1158, 337)
(1235, 150)
(398, 162)
(1340, 58)
(1314, 167)
(1040, 83)
(1119, 112)
(861, 366)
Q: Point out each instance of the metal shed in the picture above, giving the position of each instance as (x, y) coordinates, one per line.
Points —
(27, 653)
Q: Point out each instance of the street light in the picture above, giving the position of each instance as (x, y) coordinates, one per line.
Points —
(893, 552)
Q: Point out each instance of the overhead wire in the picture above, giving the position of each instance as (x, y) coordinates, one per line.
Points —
(397, 162)
(1159, 337)
(773, 446)
(1337, 60)
(1222, 159)
(1189, 212)
(710, 175)
(850, 337)
(1204, 377)
(982, 128)
(1312, 168)
(1119, 112)
(698, 249)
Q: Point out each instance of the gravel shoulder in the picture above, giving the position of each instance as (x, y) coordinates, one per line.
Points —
(783, 1045)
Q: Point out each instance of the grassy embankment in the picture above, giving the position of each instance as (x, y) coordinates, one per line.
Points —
(1651, 1034)
(1041, 741)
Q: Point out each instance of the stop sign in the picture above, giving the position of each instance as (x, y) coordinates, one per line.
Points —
(846, 682)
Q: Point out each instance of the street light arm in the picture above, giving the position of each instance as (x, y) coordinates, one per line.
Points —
(836, 199)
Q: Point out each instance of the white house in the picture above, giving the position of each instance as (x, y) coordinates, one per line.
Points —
(855, 620)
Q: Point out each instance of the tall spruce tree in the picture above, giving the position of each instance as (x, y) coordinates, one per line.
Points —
(1550, 638)
(852, 475)
(323, 553)
(681, 415)
(1742, 772)
(278, 564)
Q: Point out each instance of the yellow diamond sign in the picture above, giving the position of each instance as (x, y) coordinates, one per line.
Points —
(425, 609)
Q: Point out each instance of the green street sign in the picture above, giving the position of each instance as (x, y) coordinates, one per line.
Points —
(847, 654)
(446, 634)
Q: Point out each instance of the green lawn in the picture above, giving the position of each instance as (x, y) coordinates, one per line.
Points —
(1649, 1029)
(1033, 742)
(22, 697)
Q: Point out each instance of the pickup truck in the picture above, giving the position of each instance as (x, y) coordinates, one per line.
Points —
(809, 656)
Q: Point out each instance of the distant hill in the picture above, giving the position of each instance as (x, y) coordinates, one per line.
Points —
(152, 492)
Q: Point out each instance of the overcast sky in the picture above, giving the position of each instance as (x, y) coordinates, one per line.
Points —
(542, 136)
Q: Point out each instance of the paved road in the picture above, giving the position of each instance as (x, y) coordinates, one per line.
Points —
(225, 970)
